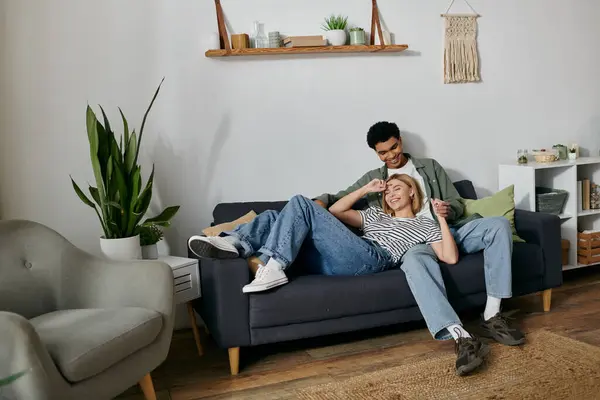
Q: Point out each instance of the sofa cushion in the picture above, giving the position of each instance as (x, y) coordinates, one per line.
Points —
(319, 297)
(86, 342)
(216, 230)
(225, 212)
(467, 277)
(500, 204)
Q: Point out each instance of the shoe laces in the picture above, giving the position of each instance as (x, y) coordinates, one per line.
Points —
(502, 320)
(261, 272)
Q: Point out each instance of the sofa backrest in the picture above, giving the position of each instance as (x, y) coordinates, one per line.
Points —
(225, 212)
(465, 189)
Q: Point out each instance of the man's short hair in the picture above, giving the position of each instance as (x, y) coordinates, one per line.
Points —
(381, 132)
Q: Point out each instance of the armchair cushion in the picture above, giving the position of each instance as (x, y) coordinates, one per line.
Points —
(86, 342)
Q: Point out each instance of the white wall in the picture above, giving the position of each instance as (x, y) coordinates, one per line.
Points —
(239, 129)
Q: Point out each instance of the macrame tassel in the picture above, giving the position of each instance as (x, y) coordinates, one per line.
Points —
(461, 59)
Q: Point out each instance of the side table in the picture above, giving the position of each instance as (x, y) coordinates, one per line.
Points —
(186, 281)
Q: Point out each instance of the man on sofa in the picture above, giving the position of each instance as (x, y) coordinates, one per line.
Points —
(492, 235)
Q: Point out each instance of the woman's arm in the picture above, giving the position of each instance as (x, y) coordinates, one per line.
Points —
(342, 209)
(446, 250)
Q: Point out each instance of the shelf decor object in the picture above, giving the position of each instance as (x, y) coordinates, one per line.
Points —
(227, 51)
(572, 183)
(461, 57)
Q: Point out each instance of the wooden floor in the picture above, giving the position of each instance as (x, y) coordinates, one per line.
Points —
(274, 371)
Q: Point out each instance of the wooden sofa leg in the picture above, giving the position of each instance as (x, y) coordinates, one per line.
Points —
(547, 299)
(148, 387)
(234, 360)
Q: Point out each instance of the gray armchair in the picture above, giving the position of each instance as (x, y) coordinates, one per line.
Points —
(83, 327)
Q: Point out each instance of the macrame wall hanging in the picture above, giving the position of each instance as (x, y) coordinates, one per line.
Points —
(461, 58)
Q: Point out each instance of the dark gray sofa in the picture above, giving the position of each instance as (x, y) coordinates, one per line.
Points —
(314, 305)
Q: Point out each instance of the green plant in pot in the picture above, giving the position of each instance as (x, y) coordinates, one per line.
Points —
(150, 235)
(119, 198)
(335, 29)
(572, 153)
(357, 36)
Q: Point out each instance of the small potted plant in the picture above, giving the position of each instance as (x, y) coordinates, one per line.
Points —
(335, 29)
(357, 36)
(573, 153)
(150, 235)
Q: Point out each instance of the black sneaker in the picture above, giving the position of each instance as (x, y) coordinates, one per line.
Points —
(470, 354)
(498, 328)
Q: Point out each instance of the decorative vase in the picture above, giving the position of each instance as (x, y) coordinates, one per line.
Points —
(336, 37)
(357, 37)
(572, 156)
(150, 252)
(122, 249)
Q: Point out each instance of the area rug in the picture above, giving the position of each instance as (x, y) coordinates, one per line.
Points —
(548, 366)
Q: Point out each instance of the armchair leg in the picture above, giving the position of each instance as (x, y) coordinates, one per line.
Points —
(148, 387)
(547, 299)
(192, 315)
(234, 360)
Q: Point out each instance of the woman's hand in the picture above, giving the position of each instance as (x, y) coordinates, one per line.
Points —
(375, 186)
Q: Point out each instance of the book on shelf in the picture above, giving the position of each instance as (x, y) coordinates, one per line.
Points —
(589, 194)
(304, 41)
(580, 196)
(585, 198)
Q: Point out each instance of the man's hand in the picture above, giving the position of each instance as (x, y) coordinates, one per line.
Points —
(319, 202)
(441, 208)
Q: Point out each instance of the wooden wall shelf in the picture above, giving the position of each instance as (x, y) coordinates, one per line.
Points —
(390, 48)
(371, 48)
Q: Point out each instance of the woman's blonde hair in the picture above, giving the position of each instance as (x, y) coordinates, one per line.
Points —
(417, 198)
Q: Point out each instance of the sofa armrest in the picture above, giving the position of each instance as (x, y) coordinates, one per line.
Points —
(544, 230)
(223, 307)
(21, 349)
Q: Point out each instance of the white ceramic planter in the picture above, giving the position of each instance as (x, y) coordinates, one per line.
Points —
(150, 252)
(336, 37)
(122, 249)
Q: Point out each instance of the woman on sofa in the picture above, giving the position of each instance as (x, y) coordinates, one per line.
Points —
(328, 246)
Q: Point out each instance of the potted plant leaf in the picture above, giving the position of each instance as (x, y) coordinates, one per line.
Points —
(119, 198)
(357, 36)
(335, 29)
(11, 378)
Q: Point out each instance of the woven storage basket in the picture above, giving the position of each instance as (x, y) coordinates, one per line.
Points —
(545, 158)
(551, 201)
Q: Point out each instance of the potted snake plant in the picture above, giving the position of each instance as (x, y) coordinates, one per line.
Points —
(119, 198)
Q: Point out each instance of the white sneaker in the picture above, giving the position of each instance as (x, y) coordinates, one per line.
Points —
(212, 247)
(266, 278)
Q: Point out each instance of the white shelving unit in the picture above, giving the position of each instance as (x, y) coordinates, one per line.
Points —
(557, 175)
